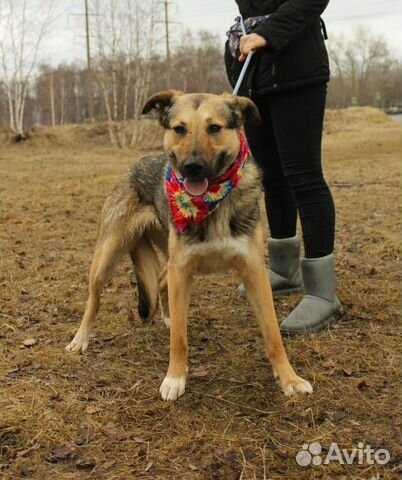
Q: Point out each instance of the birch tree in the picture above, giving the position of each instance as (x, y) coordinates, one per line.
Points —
(22, 30)
(124, 43)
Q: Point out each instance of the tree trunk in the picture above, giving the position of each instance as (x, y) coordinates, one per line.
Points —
(51, 91)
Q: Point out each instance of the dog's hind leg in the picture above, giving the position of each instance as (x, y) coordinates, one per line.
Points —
(164, 297)
(147, 271)
(107, 254)
(252, 271)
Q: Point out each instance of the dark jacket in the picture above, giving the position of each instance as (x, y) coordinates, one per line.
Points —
(296, 55)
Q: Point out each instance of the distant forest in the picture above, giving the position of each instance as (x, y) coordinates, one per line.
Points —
(125, 69)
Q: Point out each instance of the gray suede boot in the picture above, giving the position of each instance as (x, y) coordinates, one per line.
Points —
(319, 306)
(284, 266)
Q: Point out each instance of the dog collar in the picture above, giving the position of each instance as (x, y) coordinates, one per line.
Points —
(186, 209)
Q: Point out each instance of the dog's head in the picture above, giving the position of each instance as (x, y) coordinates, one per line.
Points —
(201, 132)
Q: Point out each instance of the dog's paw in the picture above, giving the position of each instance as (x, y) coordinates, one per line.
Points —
(166, 321)
(79, 343)
(172, 388)
(296, 385)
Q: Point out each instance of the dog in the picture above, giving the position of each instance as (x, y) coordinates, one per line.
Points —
(193, 210)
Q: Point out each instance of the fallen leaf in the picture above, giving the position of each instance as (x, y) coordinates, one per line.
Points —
(29, 342)
(353, 422)
(281, 453)
(362, 386)
(22, 453)
(85, 464)
(337, 415)
(109, 338)
(316, 346)
(199, 372)
(55, 396)
(347, 371)
(130, 316)
(249, 453)
(376, 442)
(93, 409)
(24, 363)
(148, 467)
(63, 453)
(26, 471)
(109, 464)
(110, 429)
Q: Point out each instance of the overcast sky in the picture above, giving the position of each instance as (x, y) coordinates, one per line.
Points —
(65, 42)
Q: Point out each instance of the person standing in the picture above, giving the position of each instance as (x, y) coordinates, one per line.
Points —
(287, 79)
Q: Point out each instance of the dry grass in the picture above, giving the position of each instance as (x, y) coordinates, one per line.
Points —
(86, 134)
(99, 416)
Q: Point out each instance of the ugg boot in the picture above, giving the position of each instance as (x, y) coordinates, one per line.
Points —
(284, 266)
(319, 306)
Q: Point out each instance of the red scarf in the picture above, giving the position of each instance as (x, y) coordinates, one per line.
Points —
(186, 209)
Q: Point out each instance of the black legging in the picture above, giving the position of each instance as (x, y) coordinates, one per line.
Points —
(287, 146)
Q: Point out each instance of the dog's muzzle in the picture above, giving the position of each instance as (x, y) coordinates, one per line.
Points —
(195, 172)
(194, 169)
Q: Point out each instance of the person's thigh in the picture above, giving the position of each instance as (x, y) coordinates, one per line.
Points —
(279, 202)
(262, 143)
(297, 123)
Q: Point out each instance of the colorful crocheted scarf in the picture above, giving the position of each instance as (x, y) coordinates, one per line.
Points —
(185, 208)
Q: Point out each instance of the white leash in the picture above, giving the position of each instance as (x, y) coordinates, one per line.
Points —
(246, 63)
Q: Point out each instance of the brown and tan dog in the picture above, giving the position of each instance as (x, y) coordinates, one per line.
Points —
(201, 142)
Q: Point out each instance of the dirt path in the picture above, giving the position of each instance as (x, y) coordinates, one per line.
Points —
(99, 416)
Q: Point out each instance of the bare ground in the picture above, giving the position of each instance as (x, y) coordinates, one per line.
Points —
(99, 415)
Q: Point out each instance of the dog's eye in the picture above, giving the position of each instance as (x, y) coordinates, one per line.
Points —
(214, 128)
(180, 130)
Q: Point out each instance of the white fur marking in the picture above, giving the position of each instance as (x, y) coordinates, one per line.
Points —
(229, 246)
(303, 386)
(167, 321)
(172, 388)
(79, 342)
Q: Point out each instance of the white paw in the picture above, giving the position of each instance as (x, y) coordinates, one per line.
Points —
(79, 342)
(297, 386)
(166, 320)
(172, 388)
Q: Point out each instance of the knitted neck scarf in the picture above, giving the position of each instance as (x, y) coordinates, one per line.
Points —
(187, 209)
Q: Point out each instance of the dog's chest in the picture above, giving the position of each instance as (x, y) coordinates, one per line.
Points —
(216, 255)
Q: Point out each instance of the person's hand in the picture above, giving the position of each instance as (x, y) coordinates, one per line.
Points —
(249, 43)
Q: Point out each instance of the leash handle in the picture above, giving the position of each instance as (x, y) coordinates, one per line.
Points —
(242, 25)
(246, 63)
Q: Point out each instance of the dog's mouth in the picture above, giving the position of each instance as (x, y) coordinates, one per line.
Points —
(196, 188)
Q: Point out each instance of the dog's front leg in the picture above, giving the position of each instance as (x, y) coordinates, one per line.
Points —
(253, 273)
(179, 289)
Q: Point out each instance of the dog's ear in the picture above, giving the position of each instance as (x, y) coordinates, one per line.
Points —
(244, 111)
(161, 102)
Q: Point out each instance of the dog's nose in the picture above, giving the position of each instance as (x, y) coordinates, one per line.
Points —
(194, 168)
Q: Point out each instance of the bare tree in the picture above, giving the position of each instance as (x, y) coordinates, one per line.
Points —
(362, 68)
(23, 29)
(142, 68)
(124, 43)
(364, 72)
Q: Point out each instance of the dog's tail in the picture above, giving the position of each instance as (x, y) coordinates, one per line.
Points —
(147, 270)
